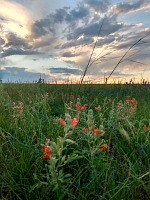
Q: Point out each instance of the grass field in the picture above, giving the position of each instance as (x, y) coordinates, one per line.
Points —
(59, 142)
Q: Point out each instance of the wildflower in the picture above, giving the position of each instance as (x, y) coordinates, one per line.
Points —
(98, 107)
(79, 107)
(103, 146)
(96, 130)
(61, 121)
(74, 122)
(47, 151)
(133, 103)
(46, 156)
(85, 130)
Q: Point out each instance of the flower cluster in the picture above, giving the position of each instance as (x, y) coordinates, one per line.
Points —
(131, 102)
(77, 105)
(74, 122)
(46, 149)
(80, 107)
(96, 131)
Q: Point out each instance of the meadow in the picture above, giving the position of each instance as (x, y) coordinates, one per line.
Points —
(58, 142)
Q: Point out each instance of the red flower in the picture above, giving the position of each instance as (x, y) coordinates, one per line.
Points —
(79, 107)
(74, 122)
(96, 130)
(98, 107)
(61, 121)
(47, 151)
(46, 156)
(103, 146)
(85, 130)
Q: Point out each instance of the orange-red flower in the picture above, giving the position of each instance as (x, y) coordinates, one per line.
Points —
(98, 107)
(96, 130)
(46, 156)
(61, 121)
(79, 107)
(103, 146)
(47, 151)
(74, 122)
(85, 130)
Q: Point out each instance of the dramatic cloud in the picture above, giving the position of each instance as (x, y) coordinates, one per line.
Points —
(12, 40)
(2, 41)
(129, 7)
(98, 5)
(68, 30)
(77, 14)
(18, 51)
(110, 26)
(42, 27)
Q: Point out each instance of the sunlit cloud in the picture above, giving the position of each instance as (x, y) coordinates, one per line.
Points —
(16, 17)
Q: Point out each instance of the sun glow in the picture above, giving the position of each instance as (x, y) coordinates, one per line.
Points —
(15, 18)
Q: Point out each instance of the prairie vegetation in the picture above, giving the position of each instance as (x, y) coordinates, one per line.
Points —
(57, 142)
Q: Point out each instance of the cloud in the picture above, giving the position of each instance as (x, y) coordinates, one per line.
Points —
(69, 54)
(98, 5)
(49, 24)
(65, 71)
(110, 25)
(106, 40)
(13, 10)
(17, 51)
(2, 41)
(85, 40)
(13, 15)
(129, 7)
(13, 41)
(42, 27)
(77, 14)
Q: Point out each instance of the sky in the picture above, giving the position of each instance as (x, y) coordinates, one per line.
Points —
(55, 39)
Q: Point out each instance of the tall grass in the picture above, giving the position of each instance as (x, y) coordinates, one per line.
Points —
(104, 156)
